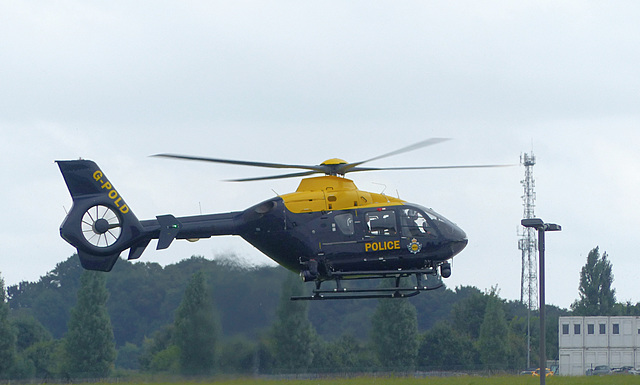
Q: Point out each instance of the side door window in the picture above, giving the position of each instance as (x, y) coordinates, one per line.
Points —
(381, 223)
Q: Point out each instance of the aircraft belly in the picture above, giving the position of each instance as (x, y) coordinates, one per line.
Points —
(280, 247)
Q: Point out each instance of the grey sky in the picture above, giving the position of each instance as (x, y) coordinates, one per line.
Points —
(301, 82)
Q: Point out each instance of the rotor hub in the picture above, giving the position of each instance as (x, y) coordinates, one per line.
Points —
(101, 226)
(333, 161)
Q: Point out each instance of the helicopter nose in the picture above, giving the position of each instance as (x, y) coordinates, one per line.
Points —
(452, 235)
(458, 245)
(458, 239)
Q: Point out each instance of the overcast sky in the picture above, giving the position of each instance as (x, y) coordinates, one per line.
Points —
(301, 82)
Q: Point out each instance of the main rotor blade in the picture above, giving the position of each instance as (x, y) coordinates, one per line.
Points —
(242, 162)
(428, 142)
(427, 167)
(294, 175)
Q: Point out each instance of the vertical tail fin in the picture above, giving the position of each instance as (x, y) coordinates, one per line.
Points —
(100, 225)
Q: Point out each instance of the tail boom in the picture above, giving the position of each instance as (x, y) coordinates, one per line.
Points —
(100, 225)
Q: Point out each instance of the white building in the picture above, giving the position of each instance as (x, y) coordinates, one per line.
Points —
(585, 342)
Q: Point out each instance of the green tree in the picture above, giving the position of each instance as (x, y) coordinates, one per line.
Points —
(128, 357)
(627, 308)
(394, 334)
(89, 345)
(46, 357)
(444, 348)
(29, 332)
(167, 360)
(517, 343)
(51, 298)
(239, 356)
(7, 336)
(159, 341)
(493, 342)
(136, 316)
(293, 335)
(345, 354)
(596, 295)
(468, 314)
(196, 328)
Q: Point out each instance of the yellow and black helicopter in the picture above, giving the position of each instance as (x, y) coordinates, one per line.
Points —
(327, 230)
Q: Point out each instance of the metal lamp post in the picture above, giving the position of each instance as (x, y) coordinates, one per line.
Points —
(541, 227)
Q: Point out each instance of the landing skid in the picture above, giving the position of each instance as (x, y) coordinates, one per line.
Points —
(421, 284)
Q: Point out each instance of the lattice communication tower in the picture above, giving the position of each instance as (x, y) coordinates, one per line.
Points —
(527, 242)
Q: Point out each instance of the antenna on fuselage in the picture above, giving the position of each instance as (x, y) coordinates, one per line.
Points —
(381, 184)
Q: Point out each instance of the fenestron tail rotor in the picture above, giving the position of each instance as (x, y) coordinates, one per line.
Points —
(101, 226)
(330, 167)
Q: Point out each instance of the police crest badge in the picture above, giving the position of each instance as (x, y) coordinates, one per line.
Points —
(414, 246)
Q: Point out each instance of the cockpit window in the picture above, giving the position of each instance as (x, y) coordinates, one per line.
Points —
(444, 225)
(381, 222)
(345, 223)
(415, 224)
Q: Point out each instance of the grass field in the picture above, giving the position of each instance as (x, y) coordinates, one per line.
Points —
(461, 380)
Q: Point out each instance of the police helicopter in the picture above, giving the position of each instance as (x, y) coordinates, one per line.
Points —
(327, 230)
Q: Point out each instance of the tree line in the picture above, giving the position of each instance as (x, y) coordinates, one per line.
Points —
(200, 317)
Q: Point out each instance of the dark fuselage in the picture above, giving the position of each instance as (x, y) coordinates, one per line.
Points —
(398, 236)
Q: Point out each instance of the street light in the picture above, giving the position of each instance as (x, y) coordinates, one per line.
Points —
(541, 227)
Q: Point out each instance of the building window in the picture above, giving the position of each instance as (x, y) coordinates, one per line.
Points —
(591, 329)
(565, 329)
(603, 329)
(576, 329)
(616, 328)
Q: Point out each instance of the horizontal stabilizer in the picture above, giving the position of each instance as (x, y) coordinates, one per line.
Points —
(169, 229)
